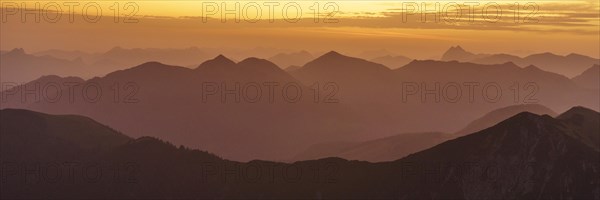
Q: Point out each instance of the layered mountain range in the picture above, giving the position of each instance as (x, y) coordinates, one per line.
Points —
(569, 65)
(229, 107)
(524, 156)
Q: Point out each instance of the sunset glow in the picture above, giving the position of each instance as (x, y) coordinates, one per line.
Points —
(570, 25)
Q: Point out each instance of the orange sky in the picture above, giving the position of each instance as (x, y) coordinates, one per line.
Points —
(347, 26)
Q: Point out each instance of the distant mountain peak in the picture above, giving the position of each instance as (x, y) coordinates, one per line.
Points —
(544, 55)
(220, 60)
(259, 64)
(333, 62)
(253, 61)
(457, 53)
(332, 54)
(221, 57)
(148, 69)
(154, 65)
(457, 48)
(150, 65)
(17, 51)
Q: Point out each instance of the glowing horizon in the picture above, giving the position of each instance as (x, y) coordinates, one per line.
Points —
(571, 26)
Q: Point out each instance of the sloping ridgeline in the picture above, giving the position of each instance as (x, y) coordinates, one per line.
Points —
(526, 156)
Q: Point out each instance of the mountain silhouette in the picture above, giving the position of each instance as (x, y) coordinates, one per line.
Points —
(530, 155)
(219, 61)
(550, 162)
(335, 61)
(398, 146)
(590, 78)
(250, 69)
(457, 53)
(357, 100)
(437, 71)
(156, 93)
(584, 123)
(569, 65)
(498, 115)
(356, 77)
(20, 67)
(378, 150)
(27, 129)
(46, 89)
(529, 85)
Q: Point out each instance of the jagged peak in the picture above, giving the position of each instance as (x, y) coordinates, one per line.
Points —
(457, 53)
(457, 48)
(17, 51)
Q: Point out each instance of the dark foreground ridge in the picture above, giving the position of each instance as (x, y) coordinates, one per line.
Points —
(526, 156)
